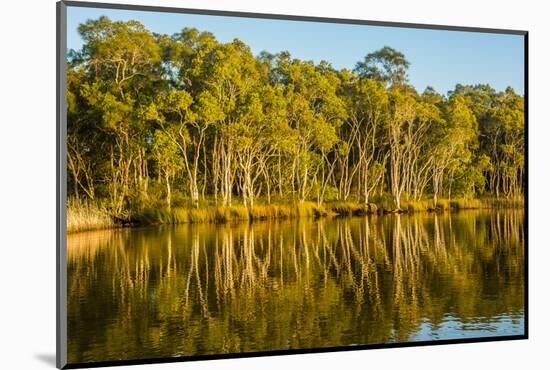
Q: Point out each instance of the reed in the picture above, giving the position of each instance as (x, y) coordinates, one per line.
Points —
(464, 203)
(306, 209)
(443, 204)
(83, 216)
(417, 205)
(503, 202)
(347, 208)
(261, 212)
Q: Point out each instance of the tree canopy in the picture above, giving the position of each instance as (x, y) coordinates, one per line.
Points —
(163, 120)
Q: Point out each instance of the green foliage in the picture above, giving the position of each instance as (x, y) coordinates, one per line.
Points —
(387, 65)
(185, 128)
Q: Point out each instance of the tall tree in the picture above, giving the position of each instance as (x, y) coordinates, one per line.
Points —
(157, 119)
(122, 64)
(453, 135)
(386, 65)
(367, 106)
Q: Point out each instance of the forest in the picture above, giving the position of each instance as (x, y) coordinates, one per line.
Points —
(185, 128)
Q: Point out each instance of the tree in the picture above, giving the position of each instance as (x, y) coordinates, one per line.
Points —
(453, 135)
(367, 105)
(156, 119)
(165, 152)
(386, 65)
(399, 128)
(314, 111)
(121, 61)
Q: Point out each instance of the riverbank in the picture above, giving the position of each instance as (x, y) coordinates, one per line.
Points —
(83, 216)
(88, 216)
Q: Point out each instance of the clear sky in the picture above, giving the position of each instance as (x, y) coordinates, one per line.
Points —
(440, 59)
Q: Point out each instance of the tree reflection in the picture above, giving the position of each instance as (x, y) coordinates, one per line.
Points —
(205, 289)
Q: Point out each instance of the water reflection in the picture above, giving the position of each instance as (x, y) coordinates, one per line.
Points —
(206, 289)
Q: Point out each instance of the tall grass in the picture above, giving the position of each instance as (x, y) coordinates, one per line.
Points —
(348, 208)
(463, 203)
(513, 202)
(222, 214)
(443, 204)
(488, 203)
(417, 205)
(89, 216)
(83, 216)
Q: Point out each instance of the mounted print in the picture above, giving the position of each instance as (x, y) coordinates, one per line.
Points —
(235, 184)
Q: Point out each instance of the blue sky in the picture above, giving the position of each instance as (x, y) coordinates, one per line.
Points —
(440, 59)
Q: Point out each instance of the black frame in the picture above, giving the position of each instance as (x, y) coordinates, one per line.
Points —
(61, 186)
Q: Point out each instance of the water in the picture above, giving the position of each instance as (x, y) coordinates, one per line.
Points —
(212, 289)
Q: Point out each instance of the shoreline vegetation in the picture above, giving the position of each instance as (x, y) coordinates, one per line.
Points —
(185, 128)
(83, 216)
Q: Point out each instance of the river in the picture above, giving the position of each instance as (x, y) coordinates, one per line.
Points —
(163, 291)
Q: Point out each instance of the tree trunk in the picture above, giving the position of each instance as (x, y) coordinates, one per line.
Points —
(168, 190)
